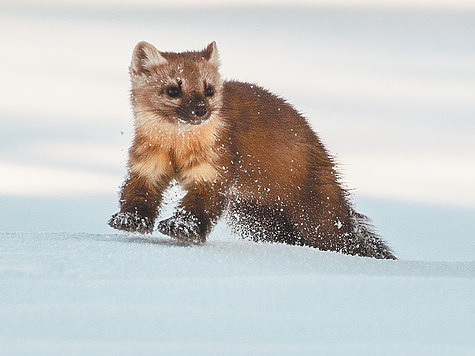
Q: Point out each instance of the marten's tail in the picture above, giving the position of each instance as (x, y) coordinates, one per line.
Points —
(365, 242)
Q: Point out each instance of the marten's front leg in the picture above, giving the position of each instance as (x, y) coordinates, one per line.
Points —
(198, 212)
(139, 202)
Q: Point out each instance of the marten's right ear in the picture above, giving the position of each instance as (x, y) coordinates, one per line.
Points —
(145, 56)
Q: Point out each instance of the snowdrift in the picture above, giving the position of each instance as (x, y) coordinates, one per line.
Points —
(124, 294)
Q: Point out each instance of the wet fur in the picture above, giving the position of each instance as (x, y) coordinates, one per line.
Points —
(255, 158)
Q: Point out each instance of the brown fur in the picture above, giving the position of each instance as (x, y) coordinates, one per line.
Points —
(252, 155)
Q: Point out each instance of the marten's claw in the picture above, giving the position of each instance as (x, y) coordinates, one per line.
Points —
(180, 228)
(131, 222)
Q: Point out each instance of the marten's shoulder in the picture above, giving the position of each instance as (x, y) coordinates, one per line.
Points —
(250, 105)
(245, 96)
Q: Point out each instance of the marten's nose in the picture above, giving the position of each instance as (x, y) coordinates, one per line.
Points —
(200, 109)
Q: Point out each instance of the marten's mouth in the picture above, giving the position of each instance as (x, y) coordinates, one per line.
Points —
(194, 120)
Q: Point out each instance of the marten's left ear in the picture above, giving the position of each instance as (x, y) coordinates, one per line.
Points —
(145, 56)
(211, 53)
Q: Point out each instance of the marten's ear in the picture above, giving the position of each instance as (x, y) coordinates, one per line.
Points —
(211, 53)
(145, 56)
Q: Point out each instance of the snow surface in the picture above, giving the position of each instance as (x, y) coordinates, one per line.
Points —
(73, 293)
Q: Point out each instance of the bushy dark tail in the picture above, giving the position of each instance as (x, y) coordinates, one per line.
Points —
(365, 242)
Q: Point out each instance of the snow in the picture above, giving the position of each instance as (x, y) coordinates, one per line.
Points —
(83, 293)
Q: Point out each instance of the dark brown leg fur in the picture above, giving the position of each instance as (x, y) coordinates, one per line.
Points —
(139, 204)
(260, 222)
(198, 212)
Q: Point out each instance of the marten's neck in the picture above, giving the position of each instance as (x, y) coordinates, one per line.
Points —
(190, 153)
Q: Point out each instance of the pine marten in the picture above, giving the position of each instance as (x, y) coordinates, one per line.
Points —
(237, 150)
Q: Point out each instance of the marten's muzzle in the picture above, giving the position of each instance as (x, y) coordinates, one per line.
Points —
(197, 110)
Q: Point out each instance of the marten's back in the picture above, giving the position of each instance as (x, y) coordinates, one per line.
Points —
(274, 145)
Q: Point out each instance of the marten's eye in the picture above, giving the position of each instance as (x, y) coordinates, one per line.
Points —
(209, 91)
(174, 92)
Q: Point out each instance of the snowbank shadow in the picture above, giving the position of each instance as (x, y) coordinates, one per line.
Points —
(139, 239)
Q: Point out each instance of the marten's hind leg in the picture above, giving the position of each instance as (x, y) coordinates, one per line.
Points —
(262, 223)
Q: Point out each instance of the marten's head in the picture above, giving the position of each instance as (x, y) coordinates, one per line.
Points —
(181, 89)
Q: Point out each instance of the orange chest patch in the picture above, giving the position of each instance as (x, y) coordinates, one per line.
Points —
(189, 155)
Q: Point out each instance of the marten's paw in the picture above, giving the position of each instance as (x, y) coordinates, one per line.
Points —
(182, 227)
(131, 222)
